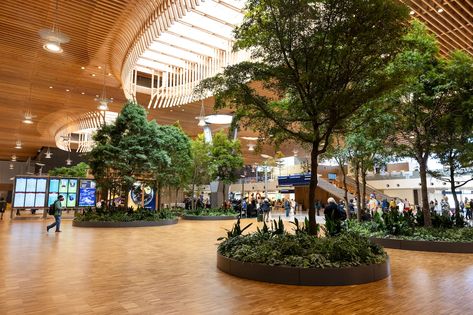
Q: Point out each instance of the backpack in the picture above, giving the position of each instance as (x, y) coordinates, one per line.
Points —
(52, 209)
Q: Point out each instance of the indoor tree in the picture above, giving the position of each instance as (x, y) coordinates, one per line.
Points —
(453, 145)
(78, 170)
(314, 64)
(431, 92)
(200, 164)
(225, 159)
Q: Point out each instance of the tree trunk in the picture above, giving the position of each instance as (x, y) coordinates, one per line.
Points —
(159, 189)
(363, 183)
(345, 187)
(358, 192)
(451, 163)
(423, 182)
(312, 187)
(177, 195)
(223, 193)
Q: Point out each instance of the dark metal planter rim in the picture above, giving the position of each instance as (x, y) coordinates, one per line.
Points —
(426, 246)
(304, 276)
(109, 224)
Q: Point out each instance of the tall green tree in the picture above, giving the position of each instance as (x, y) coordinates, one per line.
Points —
(315, 63)
(120, 156)
(200, 164)
(79, 170)
(430, 94)
(225, 159)
(453, 145)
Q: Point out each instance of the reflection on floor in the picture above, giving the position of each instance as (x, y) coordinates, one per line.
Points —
(171, 270)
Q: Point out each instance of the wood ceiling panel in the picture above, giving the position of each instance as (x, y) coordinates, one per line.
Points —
(102, 33)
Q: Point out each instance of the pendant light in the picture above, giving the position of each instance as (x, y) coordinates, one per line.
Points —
(18, 144)
(12, 166)
(68, 161)
(48, 153)
(251, 147)
(28, 118)
(103, 100)
(13, 157)
(201, 117)
(52, 37)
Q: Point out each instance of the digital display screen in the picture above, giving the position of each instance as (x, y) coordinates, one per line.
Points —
(29, 199)
(71, 200)
(63, 185)
(39, 201)
(72, 187)
(19, 200)
(87, 193)
(54, 185)
(41, 185)
(52, 198)
(20, 184)
(31, 184)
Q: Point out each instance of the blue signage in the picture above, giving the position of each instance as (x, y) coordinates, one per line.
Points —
(87, 191)
(294, 180)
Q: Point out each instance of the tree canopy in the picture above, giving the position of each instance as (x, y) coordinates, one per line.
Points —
(79, 170)
(315, 64)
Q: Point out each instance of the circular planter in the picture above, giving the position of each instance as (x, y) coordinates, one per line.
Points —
(208, 218)
(425, 246)
(304, 276)
(109, 224)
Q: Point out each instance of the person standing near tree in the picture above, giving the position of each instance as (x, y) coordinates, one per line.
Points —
(57, 214)
(3, 206)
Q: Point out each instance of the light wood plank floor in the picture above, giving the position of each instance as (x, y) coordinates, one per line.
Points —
(171, 270)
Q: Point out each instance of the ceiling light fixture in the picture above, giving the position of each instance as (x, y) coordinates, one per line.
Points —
(201, 117)
(13, 157)
(440, 10)
(52, 37)
(28, 117)
(18, 144)
(48, 153)
(295, 152)
(412, 12)
(103, 100)
(12, 166)
(251, 146)
(68, 161)
(219, 119)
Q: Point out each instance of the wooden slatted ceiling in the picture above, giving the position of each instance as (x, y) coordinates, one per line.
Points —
(450, 20)
(102, 33)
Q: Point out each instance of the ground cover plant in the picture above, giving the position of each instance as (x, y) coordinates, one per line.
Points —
(274, 245)
(445, 227)
(124, 215)
(212, 212)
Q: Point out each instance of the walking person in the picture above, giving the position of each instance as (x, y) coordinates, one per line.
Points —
(287, 206)
(57, 214)
(3, 206)
(266, 208)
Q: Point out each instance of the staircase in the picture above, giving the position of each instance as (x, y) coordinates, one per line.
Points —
(351, 183)
(332, 189)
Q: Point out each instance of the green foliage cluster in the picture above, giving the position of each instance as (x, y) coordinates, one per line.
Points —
(407, 226)
(125, 215)
(225, 158)
(212, 212)
(275, 246)
(79, 170)
(133, 149)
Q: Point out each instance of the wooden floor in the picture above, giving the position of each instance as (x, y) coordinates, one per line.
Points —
(171, 270)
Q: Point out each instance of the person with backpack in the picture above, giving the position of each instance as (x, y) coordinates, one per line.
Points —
(287, 206)
(3, 206)
(56, 210)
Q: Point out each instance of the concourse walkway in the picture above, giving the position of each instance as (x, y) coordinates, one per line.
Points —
(172, 270)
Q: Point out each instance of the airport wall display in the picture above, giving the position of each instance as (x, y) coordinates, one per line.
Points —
(40, 192)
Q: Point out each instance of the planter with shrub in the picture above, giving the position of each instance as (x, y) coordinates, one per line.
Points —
(124, 217)
(406, 231)
(210, 214)
(277, 256)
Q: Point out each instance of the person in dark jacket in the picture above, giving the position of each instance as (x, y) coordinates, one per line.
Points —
(332, 213)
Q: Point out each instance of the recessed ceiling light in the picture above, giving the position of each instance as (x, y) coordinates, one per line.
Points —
(412, 12)
(109, 74)
(99, 67)
(96, 95)
(83, 68)
(439, 10)
(50, 87)
(67, 90)
(93, 74)
(82, 93)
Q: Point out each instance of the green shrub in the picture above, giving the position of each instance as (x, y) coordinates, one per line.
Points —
(274, 247)
(124, 215)
(212, 212)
